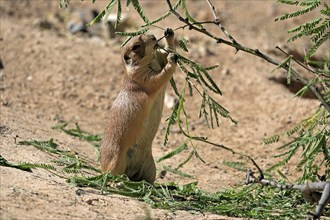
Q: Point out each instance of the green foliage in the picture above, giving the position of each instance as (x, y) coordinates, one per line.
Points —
(118, 14)
(304, 89)
(240, 166)
(177, 172)
(133, 34)
(210, 109)
(243, 201)
(183, 44)
(272, 139)
(36, 165)
(46, 146)
(310, 137)
(82, 135)
(170, 121)
(175, 6)
(176, 151)
(312, 142)
(25, 166)
(186, 12)
(4, 162)
(139, 10)
(197, 77)
(69, 160)
(317, 29)
(308, 5)
(287, 64)
(104, 14)
(64, 3)
(191, 154)
(74, 164)
(237, 202)
(198, 72)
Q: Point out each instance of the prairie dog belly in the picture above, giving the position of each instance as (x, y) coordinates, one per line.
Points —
(151, 123)
(142, 147)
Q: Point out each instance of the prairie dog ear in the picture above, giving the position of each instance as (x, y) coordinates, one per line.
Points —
(139, 48)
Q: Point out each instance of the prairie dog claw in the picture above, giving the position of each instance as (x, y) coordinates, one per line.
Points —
(168, 33)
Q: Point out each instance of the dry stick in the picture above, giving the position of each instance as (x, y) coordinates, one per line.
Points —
(182, 27)
(217, 22)
(322, 74)
(297, 61)
(316, 192)
(306, 67)
(255, 52)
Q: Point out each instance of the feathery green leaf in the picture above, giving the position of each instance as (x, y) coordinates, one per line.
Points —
(104, 14)
(118, 14)
(176, 151)
(133, 34)
(138, 8)
(175, 6)
(183, 44)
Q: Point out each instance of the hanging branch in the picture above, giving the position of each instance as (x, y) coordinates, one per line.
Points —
(255, 52)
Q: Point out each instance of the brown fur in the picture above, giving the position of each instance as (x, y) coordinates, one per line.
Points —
(135, 114)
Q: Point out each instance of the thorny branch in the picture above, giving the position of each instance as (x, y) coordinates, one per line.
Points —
(239, 47)
(217, 22)
(297, 61)
(312, 192)
(306, 67)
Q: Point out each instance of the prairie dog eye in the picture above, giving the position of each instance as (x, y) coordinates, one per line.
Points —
(136, 47)
(126, 58)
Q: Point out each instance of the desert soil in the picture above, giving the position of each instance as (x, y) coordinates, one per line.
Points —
(51, 76)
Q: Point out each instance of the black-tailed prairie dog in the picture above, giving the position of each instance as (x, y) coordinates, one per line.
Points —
(135, 114)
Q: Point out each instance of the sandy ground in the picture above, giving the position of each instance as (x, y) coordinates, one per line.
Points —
(51, 76)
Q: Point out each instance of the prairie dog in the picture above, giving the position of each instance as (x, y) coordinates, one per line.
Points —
(135, 114)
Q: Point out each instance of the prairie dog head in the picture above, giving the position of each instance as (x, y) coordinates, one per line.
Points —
(138, 53)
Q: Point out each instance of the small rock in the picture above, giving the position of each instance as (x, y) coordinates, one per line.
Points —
(225, 72)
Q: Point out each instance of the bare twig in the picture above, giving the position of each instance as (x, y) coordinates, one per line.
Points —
(297, 61)
(217, 22)
(255, 52)
(322, 74)
(307, 67)
(317, 74)
(193, 23)
(187, 25)
(312, 192)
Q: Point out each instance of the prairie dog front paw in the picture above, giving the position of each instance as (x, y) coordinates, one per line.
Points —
(172, 58)
(169, 33)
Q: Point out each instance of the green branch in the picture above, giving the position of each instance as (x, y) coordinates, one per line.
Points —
(248, 50)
